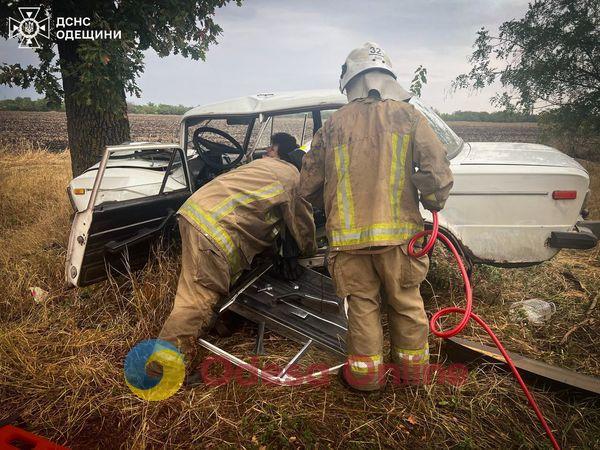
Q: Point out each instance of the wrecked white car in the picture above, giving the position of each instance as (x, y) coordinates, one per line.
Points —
(512, 204)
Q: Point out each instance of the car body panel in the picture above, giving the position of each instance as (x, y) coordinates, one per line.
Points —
(505, 214)
(501, 206)
(516, 153)
(124, 183)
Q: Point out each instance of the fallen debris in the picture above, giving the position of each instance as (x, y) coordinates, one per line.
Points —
(466, 351)
(39, 295)
(535, 311)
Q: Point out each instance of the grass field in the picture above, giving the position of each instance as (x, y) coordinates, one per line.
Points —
(61, 362)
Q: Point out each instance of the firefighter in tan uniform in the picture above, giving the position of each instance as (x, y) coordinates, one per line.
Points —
(225, 224)
(368, 164)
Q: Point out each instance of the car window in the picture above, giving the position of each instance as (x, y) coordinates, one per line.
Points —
(140, 173)
(326, 114)
(444, 133)
(175, 175)
(299, 125)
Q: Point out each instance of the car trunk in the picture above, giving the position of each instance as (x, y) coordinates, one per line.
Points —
(505, 202)
(518, 154)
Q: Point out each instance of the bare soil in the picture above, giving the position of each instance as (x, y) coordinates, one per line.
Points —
(496, 131)
(49, 129)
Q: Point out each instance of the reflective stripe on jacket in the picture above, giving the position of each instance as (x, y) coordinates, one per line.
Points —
(361, 170)
(240, 211)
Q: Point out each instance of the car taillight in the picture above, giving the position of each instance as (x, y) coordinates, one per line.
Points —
(564, 195)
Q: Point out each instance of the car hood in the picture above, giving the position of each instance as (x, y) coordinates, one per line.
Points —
(517, 154)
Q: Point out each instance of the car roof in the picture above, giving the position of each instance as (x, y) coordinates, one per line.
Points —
(269, 103)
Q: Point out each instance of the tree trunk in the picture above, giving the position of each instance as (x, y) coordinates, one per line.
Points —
(90, 128)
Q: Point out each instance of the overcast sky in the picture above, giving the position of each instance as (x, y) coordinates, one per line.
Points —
(280, 45)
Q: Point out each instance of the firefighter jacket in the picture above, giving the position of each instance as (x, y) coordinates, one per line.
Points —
(366, 166)
(241, 211)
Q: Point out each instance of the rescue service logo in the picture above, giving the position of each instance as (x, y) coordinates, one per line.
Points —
(154, 370)
(28, 27)
(35, 23)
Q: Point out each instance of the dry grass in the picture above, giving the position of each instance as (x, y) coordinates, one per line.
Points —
(61, 363)
(593, 205)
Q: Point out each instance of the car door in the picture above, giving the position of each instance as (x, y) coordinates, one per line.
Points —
(135, 195)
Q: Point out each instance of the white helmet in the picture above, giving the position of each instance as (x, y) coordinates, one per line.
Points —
(362, 59)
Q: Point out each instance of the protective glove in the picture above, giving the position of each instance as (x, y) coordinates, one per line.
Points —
(286, 258)
(290, 269)
(431, 203)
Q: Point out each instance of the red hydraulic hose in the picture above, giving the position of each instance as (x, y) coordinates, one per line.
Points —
(467, 314)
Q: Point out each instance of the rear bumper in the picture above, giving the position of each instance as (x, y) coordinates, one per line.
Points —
(581, 239)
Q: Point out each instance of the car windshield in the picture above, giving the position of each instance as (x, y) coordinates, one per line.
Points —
(445, 134)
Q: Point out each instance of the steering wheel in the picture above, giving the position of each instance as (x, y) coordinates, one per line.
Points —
(207, 149)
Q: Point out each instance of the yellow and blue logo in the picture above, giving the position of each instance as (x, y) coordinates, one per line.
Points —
(153, 385)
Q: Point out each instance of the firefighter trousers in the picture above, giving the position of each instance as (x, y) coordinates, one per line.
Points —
(204, 279)
(367, 280)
